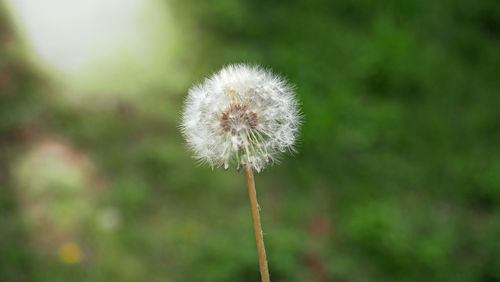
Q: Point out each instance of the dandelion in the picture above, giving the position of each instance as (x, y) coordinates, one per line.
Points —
(242, 116)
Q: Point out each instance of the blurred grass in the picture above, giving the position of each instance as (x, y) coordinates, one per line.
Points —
(396, 179)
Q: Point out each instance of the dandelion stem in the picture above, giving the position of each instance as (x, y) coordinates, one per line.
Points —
(257, 228)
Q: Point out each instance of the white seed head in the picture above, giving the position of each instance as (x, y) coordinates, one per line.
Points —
(242, 115)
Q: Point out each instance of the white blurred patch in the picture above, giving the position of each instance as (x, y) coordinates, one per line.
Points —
(109, 219)
(97, 45)
(70, 34)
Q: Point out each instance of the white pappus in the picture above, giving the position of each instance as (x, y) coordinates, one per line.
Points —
(242, 115)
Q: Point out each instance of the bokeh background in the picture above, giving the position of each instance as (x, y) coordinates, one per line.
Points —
(397, 175)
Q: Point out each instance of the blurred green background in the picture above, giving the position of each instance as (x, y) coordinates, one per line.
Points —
(397, 175)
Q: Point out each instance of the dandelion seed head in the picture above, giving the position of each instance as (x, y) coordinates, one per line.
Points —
(242, 115)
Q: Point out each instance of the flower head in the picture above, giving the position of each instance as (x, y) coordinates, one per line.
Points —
(242, 115)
